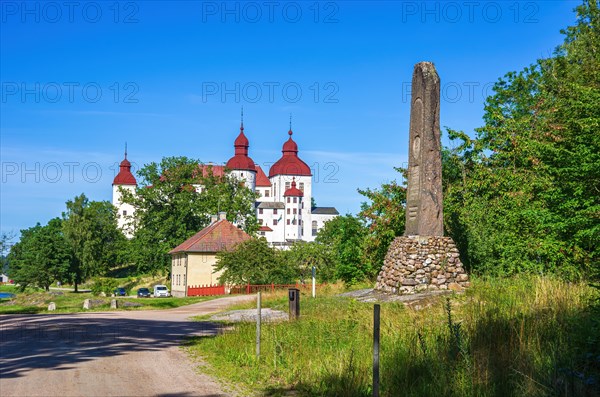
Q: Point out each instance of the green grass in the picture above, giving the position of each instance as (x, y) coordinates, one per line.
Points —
(36, 301)
(526, 336)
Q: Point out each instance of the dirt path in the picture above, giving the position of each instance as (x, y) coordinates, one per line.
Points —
(125, 353)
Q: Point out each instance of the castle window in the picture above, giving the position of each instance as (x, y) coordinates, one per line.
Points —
(274, 222)
(288, 221)
(266, 193)
(257, 192)
(314, 228)
(302, 186)
(294, 211)
(260, 222)
(287, 185)
(288, 199)
(274, 211)
(124, 212)
(295, 200)
(260, 211)
(288, 211)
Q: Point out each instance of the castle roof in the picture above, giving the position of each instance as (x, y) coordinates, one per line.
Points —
(293, 191)
(261, 177)
(125, 177)
(290, 163)
(240, 160)
(324, 211)
(215, 170)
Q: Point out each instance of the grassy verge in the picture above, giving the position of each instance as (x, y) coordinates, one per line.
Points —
(32, 301)
(511, 337)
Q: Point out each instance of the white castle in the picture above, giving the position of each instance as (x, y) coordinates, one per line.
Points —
(283, 207)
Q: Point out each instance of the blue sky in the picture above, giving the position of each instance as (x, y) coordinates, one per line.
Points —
(80, 79)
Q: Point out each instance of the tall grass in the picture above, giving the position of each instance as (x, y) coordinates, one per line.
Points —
(526, 336)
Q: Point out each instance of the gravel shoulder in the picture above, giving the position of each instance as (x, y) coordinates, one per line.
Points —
(125, 353)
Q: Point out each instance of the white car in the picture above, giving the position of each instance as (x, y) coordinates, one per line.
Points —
(160, 290)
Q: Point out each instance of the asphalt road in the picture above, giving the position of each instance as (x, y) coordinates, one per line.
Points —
(124, 353)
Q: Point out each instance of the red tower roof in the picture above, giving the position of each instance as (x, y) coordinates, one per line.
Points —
(293, 191)
(241, 161)
(290, 163)
(125, 177)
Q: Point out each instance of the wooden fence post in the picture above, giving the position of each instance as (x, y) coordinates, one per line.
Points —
(376, 329)
(258, 316)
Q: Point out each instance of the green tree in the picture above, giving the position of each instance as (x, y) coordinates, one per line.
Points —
(523, 195)
(304, 255)
(41, 256)
(5, 245)
(169, 208)
(344, 236)
(384, 216)
(91, 230)
(254, 262)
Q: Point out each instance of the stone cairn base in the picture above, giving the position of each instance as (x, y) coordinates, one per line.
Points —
(418, 263)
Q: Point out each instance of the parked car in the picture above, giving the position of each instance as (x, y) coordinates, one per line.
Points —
(160, 290)
(120, 291)
(143, 293)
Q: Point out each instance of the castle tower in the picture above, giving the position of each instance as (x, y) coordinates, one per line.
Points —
(290, 168)
(124, 181)
(241, 165)
(293, 200)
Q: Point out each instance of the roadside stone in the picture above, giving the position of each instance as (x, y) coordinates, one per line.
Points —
(131, 304)
(91, 303)
(52, 307)
(113, 303)
(250, 315)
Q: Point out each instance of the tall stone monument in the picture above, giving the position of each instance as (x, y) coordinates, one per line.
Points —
(424, 214)
(423, 258)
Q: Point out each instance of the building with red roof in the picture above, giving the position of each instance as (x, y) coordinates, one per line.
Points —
(193, 261)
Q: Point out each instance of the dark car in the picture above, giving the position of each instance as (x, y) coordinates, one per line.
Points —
(120, 291)
(143, 293)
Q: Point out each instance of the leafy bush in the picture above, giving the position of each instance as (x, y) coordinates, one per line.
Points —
(106, 285)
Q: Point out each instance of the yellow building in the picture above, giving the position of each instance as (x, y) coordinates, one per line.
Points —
(193, 261)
